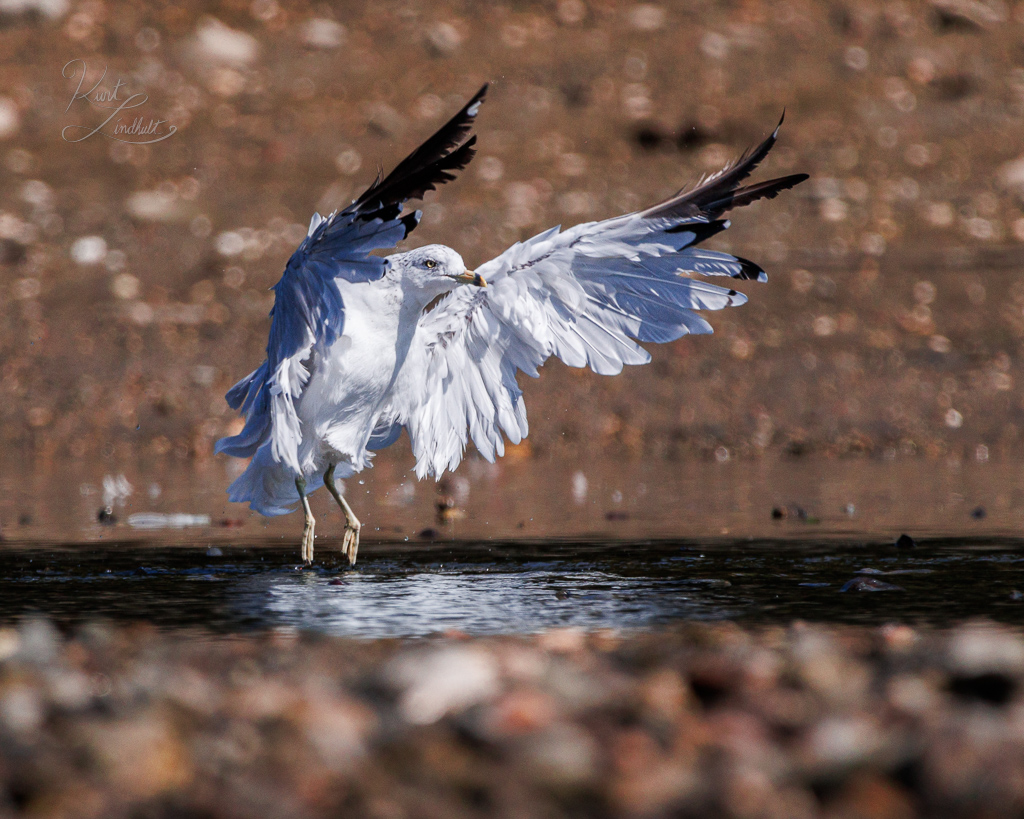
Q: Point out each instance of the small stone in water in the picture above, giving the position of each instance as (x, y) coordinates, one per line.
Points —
(905, 541)
(106, 516)
(213, 551)
(869, 584)
(978, 513)
(778, 513)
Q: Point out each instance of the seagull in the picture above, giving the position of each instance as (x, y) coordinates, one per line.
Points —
(363, 346)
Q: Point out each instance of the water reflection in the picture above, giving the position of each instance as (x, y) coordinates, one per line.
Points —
(386, 602)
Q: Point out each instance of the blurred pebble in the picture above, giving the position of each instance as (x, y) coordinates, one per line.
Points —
(436, 682)
(38, 641)
(562, 756)
(981, 648)
(443, 38)
(10, 118)
(220, 43)
(321, 32)
(89, 250)
(154, 206)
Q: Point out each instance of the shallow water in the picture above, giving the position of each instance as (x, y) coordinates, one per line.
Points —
(481, 588)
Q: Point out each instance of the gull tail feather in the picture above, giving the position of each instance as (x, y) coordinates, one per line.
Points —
(268, 486)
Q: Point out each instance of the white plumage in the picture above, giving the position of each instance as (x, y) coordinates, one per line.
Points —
(354, 357)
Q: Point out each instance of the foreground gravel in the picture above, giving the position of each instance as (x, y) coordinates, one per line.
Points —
(699, 721)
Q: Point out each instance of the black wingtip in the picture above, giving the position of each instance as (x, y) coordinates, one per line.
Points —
(473, 106)
(721, 191)
(429, 165)
(749, 271)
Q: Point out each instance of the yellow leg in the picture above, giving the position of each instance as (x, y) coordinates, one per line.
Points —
(307, 532)
(350, 545)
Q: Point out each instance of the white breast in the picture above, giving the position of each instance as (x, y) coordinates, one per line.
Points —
(346, 390)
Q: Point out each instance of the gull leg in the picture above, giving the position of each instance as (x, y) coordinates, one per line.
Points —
(307, 532)
(350, 545)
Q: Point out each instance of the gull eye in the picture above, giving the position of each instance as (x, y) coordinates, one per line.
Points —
(430, 263)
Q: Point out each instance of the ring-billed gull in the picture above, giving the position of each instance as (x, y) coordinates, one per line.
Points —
(362, 346)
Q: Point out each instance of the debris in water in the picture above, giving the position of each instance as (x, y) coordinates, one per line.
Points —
(160, 520)
(869, 584)
(905, 541)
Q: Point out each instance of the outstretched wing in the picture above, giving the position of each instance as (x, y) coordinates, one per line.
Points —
(586, 295)
(308, 311)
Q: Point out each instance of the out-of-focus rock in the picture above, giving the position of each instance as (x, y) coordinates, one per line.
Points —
(89, 250)
(221, 43)
(563, 756)
(971, 12)
(443, 38)
(155, 206)
(141, 757)
(433, 683)
(10, 118)
(52, 9)
(39, 641)
(321, 32)
(838, 743)
(981, 648)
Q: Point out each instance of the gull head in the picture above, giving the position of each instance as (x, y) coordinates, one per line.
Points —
(432, 270)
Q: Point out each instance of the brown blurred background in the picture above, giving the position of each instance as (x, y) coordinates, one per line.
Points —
(134, 278)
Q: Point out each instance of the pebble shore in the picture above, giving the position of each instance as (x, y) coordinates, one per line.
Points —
(700, 720)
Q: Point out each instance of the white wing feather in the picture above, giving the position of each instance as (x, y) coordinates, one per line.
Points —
(585, 295)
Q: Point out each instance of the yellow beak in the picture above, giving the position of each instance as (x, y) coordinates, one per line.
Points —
(471, 277)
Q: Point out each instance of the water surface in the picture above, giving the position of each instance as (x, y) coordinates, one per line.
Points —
(515, 587)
